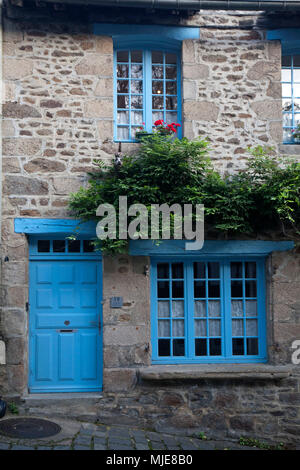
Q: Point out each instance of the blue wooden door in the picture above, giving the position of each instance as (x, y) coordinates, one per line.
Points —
(65, 325)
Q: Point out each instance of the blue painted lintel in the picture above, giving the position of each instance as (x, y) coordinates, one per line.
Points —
(289, 37)
(52, 226)
(177, 33)
(286, 34)
(210, 247)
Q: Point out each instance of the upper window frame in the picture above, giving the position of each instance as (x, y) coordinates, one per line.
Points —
(147, 44)
(292, 96)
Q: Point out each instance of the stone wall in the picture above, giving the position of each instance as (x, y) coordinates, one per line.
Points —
(235, 80)
(57, 117)
(266, 409)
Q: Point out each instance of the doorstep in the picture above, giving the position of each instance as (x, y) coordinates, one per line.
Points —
(60, 396)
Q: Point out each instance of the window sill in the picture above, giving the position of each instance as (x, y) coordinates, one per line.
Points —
(214, 372)
(290, 149)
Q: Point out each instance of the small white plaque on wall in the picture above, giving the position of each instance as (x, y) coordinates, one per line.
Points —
(2, 352)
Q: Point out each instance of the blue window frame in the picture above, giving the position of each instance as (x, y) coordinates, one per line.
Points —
(147, 86)
(290, 95)
(208, 311)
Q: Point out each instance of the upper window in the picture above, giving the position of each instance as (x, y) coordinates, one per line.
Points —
(290, 96)
(208, 311)
(147, 89)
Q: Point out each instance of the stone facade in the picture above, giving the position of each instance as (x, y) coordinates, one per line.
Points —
(57, 118)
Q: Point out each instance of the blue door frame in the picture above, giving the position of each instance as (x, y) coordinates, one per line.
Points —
(65, 315)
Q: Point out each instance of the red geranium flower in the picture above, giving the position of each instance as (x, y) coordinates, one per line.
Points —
(159, 122)
(170, 126)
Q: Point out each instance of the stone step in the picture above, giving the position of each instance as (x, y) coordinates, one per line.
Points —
(81, 406)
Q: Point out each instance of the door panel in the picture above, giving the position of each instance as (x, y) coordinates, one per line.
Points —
(65, 319)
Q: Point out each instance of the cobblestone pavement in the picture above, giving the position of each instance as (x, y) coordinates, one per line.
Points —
(86, 436)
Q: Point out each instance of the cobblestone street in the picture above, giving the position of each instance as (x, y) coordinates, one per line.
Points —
(86, 436)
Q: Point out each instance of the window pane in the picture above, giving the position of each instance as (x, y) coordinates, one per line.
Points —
(199, 270)
(237, 328)
(250, 288)
(177, 289)
(213, 289)
(157, 57)
(213, 270)
(200, 308)
(157, 102)
(163, 328)
(296, 105)
(157, 87)
(286, 90)
(177, 270)
(236, 270)
(163, 289)
(236, 289)
(43, 246)
(171, 72)
(163, 307)
(286, 61)
(59, 246)
(157, 115)
(251, 308)
(215, 347)
(164, 347)
(123, 117)
(136, 117)
(122, 86)
(237, 308)
(250, 269)
(214, 309)
(296, 89)
(171, 102)
(122, 133)
(178, 308)
(74, 246)
(171, 88)
(122, 56)
(157, 71)
(136, 86)
(238, 346)
(136, 56)
(296, 60)
(178, 347)
(199, 289)
(251, 328)
(171, 58)
(163, 271)
(88, 246)
(123, 102)
(286, 104)
(287, 135)
(296, 75)
(214, 328)
(252, 346)
(137, 102)
(287, 119)
(122, 71)
(136, 71)
(171, 117)
(178, 328)
(286, 75)
(200, 328)
(200, 347)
